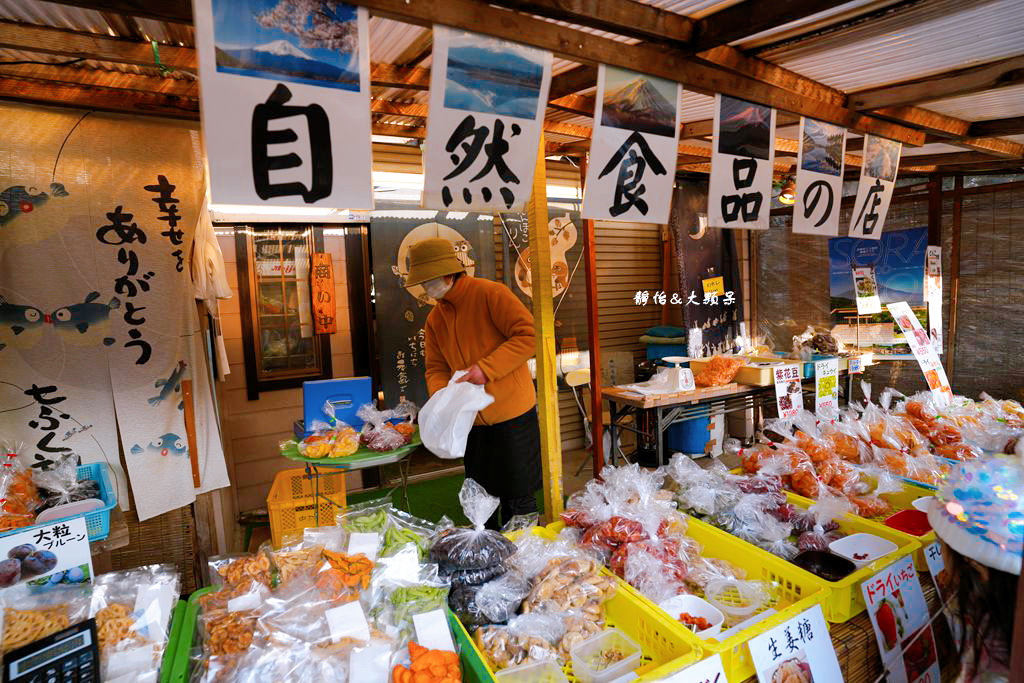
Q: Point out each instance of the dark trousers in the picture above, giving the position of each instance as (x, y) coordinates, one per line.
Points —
(504, 458)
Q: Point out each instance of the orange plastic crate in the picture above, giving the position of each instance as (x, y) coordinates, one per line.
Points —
(299, 500)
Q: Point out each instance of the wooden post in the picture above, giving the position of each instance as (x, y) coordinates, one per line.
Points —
(935, 210)
(593, 335)
(544, 327)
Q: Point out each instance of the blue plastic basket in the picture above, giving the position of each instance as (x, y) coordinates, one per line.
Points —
(97, 522)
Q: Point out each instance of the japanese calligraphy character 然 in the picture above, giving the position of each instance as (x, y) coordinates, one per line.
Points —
(692, 299)
(628, 185)
(263, 161)
(730, 298)
(494, 155)
(747, 205)
(874, 198)
(660, 298)
(813, 195)
(641, 297)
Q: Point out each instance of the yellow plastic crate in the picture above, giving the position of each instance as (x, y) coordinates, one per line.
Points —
(299, 500)
(795, 591)
(900, 500)
(666, 650)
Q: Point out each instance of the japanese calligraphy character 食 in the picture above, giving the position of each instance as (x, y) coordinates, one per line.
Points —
(632, 166)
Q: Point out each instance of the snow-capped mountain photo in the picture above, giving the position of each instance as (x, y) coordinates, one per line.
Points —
(638, 102)
(255, 38)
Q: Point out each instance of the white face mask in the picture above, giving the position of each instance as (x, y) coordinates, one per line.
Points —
(436, 288)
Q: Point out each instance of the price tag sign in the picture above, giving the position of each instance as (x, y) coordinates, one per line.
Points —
(714, 285)
(360, 543)
(789, 393)
(826, 387)
(708, 670)
(924, 351)
(798, 649)
(48, 555)
(432, 630)
(937, 569)
(865, 290)
(856, 365)
(899, 615)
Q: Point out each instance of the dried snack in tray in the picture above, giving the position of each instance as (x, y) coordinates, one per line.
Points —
(227, 633)
(499, 600)
(354, 571)
(18, 493)
(241, 570)
(60, 485)
(428, 666)
(476, 547)
(291, 562)
(719, 371)
(462, 601)
(570, 583)
(27, 616)
(526, 639)
(473, 577)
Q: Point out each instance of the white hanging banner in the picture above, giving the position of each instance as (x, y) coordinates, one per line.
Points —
(924, 352)
(286, 102)
(743, 154)
(819, 178)
(877, 181)
(865, 287)
(487, 101)
(633, 148)
(933, 294)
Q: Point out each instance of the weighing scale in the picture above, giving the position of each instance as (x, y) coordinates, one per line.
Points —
(68, 656)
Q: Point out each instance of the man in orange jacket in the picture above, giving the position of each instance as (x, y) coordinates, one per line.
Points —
(481, 327)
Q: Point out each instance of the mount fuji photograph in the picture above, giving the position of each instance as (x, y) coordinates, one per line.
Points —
(285, 40)
(492, 76)
(638, 102)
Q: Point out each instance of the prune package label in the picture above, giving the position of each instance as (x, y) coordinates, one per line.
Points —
(487, 101)
(286, 102)
(742, 160)
(46, 555)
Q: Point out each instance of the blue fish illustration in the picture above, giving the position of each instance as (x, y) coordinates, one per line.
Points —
(170, 385)
(17, 200)
(168, 444)
(19, 318)
(80, 316)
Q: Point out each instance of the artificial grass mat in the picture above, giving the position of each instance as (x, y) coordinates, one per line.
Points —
(430, 499)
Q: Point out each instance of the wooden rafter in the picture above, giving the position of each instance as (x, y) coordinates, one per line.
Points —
(393, 76)
(623, 17)
(947, 159)
(178, 11)
(97, 78)
(999, 147)
(53, 41)
(658, 60)
(965, 81)
(1009, 126)
(103, 99)
(753, 16)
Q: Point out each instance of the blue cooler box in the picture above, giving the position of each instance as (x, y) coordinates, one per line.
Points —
(345, 394)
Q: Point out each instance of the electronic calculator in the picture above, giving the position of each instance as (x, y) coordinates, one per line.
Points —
(68, 656)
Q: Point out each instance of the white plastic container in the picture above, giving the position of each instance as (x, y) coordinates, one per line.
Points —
(862, 549)
(697, 607)
(583, 653)
(923, 503)
(546, 671)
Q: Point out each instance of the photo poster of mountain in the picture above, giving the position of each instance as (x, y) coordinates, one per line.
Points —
(486, 116)
(286, 102)
(898, 260)
(874, 191)
(819, 178)
(742, 161)
(633, 148)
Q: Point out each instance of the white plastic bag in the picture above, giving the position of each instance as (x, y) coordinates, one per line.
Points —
(448, 416)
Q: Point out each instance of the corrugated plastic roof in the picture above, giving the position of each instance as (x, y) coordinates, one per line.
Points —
(990, 104)
(925, 39)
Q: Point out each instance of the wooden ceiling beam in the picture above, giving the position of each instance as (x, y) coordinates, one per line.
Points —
(623, 17)
(1009, 126)
(706, 127)
(1000, 165)
(1000, 147)
(394, 76)
(572, 81)
(55, 41)
(103, 99)
(931, 121)
(657, 60)
(947, 159)
(177, 11)
(97, 78)
(954, 83)
(753, 16)
(415, 132)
